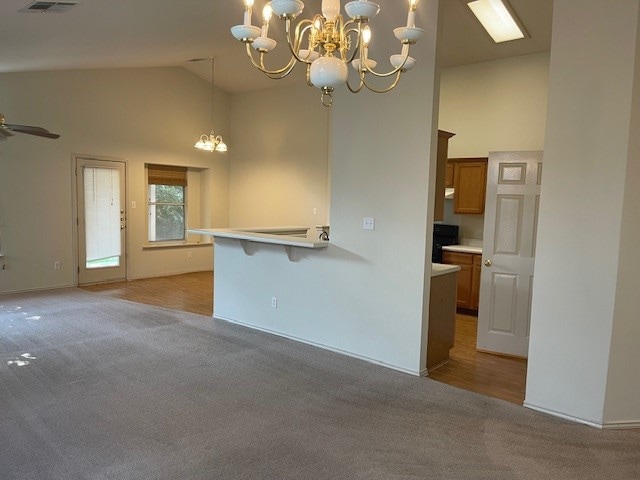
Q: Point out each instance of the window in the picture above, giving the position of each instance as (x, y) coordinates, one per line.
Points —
(167, 187)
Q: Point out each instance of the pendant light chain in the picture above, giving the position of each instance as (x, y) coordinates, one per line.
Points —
(211, 142)
(213, 63)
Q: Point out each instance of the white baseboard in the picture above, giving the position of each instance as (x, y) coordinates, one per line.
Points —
(565, 416)
(416, 373)
(39, 289)
(592, 423)
(621, 425)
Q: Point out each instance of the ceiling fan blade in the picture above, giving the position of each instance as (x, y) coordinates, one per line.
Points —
(30, 130)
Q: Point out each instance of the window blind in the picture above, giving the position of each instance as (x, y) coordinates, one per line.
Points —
(167, 175)
(102, 212)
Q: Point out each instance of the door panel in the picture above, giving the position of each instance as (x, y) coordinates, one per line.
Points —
(511, 215)
(508, 224)
(503, 305)
(101, 220)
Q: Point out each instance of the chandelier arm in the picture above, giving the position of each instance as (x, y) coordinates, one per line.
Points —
(388, 74)
(275, 74)
(384, 90)
(356, 48)
(296, 43)
(397, 70)
(356, 90)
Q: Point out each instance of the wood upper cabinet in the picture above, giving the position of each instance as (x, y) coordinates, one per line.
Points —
(443, 151)
(448, 175)
(468, 277)
(470, 184)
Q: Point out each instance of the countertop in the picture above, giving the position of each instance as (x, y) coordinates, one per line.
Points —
(438, 269)
(287, 236)
(463, 249)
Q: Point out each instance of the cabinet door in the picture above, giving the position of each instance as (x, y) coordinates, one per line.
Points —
(465, 262)
(474, 300)
(448, 176)
(470, 183)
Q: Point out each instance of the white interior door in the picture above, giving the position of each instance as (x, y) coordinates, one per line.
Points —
(101, 220)
(509, 246)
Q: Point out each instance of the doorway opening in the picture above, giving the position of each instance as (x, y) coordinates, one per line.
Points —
(495, 281)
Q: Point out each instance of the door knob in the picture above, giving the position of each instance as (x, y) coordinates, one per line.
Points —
(488, 262)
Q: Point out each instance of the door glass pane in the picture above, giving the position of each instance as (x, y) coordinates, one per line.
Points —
(102, 217)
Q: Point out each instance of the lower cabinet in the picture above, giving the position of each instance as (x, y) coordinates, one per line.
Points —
(442, 319)
(468, 277)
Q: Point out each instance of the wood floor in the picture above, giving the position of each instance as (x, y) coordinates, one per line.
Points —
(191, 292)
(485, 373)
(492, 375)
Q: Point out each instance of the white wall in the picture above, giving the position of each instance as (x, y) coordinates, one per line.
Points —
(623, 382)
(364, 294)
(584, 310)
(493, 106)
(279, 163)
(151, 115)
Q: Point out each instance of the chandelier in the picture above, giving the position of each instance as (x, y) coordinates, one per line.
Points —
(327, 43)
(211, 142)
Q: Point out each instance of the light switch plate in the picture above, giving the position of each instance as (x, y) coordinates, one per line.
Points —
(368, 223)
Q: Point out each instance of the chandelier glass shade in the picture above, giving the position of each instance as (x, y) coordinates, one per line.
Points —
(328, 43)
(211, 142)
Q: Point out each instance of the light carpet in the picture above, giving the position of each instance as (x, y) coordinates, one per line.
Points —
(97, 388)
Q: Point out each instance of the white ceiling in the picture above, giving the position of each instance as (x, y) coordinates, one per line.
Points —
(156, 33)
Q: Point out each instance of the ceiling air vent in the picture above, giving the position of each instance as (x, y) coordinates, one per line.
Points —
(48, 7)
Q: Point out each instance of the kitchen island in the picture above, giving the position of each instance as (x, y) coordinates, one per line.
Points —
(302, 295)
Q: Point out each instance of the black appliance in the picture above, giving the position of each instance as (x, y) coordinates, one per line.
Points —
(443, 235)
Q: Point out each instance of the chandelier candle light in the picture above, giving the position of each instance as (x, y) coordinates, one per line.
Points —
(327, 43)
(211, 142)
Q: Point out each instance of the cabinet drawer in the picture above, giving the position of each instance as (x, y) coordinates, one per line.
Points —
(457, 258)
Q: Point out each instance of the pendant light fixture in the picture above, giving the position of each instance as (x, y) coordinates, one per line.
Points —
(211, 142)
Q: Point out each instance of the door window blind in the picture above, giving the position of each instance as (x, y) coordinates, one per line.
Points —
(102, 212)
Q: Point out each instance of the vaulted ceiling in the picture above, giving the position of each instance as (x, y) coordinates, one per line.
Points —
(155, 33)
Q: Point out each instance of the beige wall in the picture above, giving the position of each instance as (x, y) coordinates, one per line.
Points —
(585, 341)
(493, 106)
(279, 162)
(151, 115)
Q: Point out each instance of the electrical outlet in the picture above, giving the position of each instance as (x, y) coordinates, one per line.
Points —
(315, 211)
(368, 223)
(189, 254)
(274, 302)
(57, 265)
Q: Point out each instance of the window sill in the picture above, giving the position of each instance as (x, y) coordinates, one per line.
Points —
(162, 245)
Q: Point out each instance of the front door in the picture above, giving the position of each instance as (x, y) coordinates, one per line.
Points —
(509, 246)
(101, 220)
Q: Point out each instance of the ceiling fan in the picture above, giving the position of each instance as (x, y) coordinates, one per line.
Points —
(7, 128)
